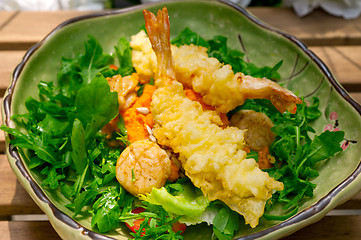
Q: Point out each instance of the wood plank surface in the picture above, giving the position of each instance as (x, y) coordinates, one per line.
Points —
(317, 28)
(357, 97)
(353, 203)
(29, 27)
(38, 230)
(2, 136)
(330, 227)
(344, 62)
(13, 58)
(14, 199)
(5, 17)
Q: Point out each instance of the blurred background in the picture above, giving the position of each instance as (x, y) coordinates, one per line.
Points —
(347, 9)
(46, 5)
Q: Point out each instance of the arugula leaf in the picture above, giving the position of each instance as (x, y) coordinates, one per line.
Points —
(83, 199)
(79, 154)
(79, 71)
(157, 223)
(297, 154)
(124, 55)
(93, 60)
(52, 177)
(253, 154)
(106, 211)
(33, 142)
(53, 126)
(322, 147)
(187, 37)
(96, 106)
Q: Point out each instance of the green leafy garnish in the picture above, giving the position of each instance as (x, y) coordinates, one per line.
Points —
(63, 138)
(157, 223)
(124, 54)
(96, 106)
(107, 210)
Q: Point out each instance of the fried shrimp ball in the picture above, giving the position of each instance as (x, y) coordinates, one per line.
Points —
(142, 166)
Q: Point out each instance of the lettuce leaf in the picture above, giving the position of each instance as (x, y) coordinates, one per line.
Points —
(187, 202)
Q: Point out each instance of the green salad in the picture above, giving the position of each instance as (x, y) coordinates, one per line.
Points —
(66, 146)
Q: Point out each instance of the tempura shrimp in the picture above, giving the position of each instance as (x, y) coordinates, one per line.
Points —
(142, 166)
(211, 156)
(206, 75)
(217, 82)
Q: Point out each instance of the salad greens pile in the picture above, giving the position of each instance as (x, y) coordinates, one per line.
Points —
(64, 145)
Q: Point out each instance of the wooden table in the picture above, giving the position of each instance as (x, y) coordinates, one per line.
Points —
(335, 40)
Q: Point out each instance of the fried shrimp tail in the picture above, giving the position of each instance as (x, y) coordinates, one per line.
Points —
(261, 88)
(159, 35)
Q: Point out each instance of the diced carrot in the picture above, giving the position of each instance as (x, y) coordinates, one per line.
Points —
(136, 122)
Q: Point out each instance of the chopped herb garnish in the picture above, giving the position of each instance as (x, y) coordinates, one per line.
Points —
(133, 175)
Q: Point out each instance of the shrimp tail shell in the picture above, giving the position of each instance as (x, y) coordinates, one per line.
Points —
(158, 30)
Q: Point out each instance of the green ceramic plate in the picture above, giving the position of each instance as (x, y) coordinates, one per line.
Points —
(302, 72)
